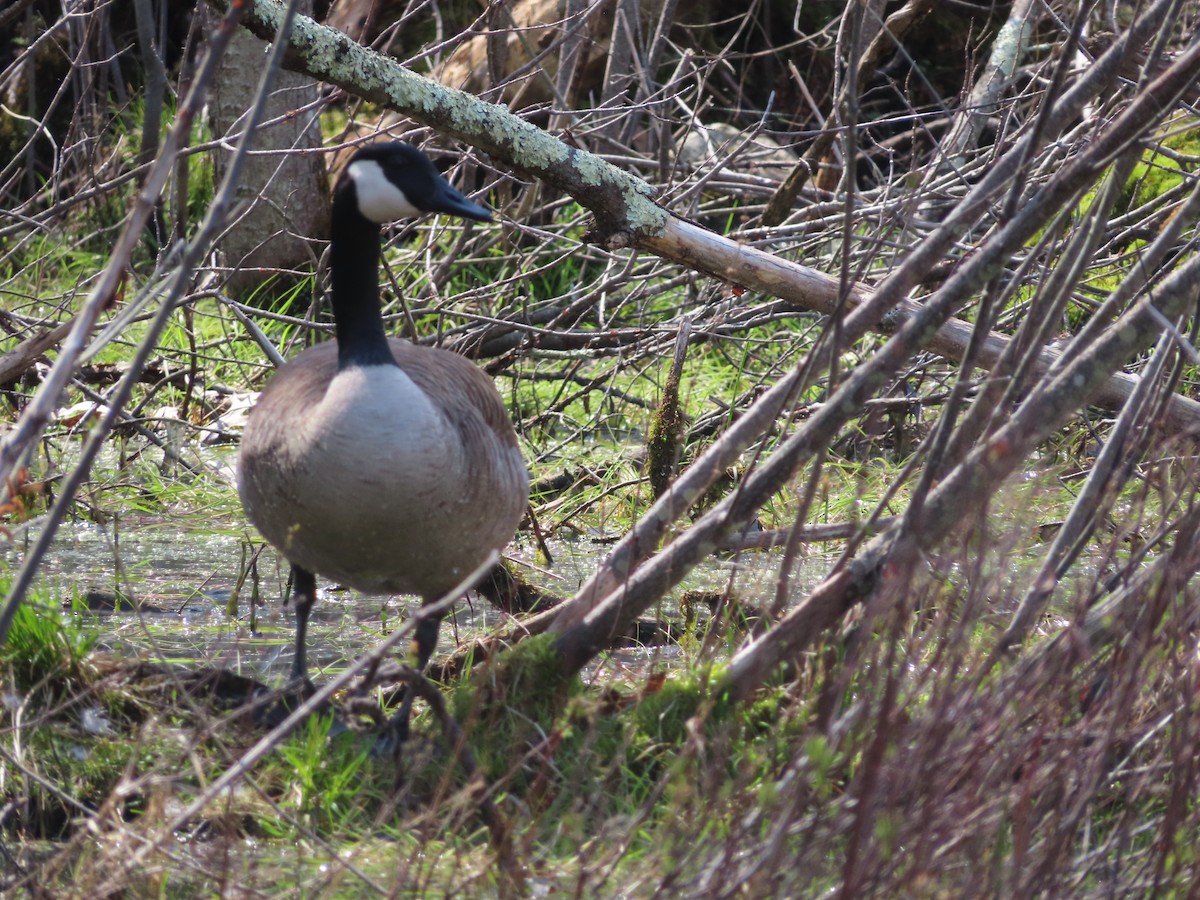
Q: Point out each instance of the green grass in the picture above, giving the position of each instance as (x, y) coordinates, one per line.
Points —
(46, 653)
(153, 750)
(615, 782)
(325, 782)
(603, 787)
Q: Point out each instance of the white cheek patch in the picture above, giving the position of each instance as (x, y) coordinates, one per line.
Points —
(378, 198)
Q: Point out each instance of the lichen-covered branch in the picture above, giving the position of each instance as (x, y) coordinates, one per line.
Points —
(626, 214)
(622, 203)
(585, 622)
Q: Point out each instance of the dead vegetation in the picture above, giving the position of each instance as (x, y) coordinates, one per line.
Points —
(916, 279)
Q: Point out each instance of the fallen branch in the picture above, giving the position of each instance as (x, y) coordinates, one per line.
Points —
(617, 593)
(977, 475)
(627, 216)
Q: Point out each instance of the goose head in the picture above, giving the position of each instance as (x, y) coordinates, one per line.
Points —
(391, 181)
(380, 183)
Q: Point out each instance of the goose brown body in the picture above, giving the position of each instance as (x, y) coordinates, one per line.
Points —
(373, 462)
(387, 479)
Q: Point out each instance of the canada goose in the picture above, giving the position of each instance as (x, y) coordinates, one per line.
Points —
(373, 462)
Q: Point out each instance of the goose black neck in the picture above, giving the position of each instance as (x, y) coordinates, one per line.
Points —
(354, 260)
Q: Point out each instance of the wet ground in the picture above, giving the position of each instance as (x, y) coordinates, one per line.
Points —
(159, 587)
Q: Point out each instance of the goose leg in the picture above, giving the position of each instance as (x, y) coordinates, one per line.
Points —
(424, 641)
(304, 595)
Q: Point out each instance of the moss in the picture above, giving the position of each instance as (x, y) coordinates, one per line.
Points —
(513, 703)
(664, 445)
(63, 771)
(527, 680)
(663, 716)
(1154, 175)
(1157, 173)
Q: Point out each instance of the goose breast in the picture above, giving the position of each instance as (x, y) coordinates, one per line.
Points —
(388, 479)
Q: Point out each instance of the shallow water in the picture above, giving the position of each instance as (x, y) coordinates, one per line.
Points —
(182, 576)
(183, 561)
(183, 568)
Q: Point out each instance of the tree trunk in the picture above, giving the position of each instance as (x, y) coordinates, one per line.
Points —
(286, 195)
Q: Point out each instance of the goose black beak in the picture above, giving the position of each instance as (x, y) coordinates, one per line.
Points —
(448, 200)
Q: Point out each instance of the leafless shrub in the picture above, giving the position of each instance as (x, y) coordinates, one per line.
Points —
(992, 241)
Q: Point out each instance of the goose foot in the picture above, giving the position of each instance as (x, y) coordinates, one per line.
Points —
(392, 737)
